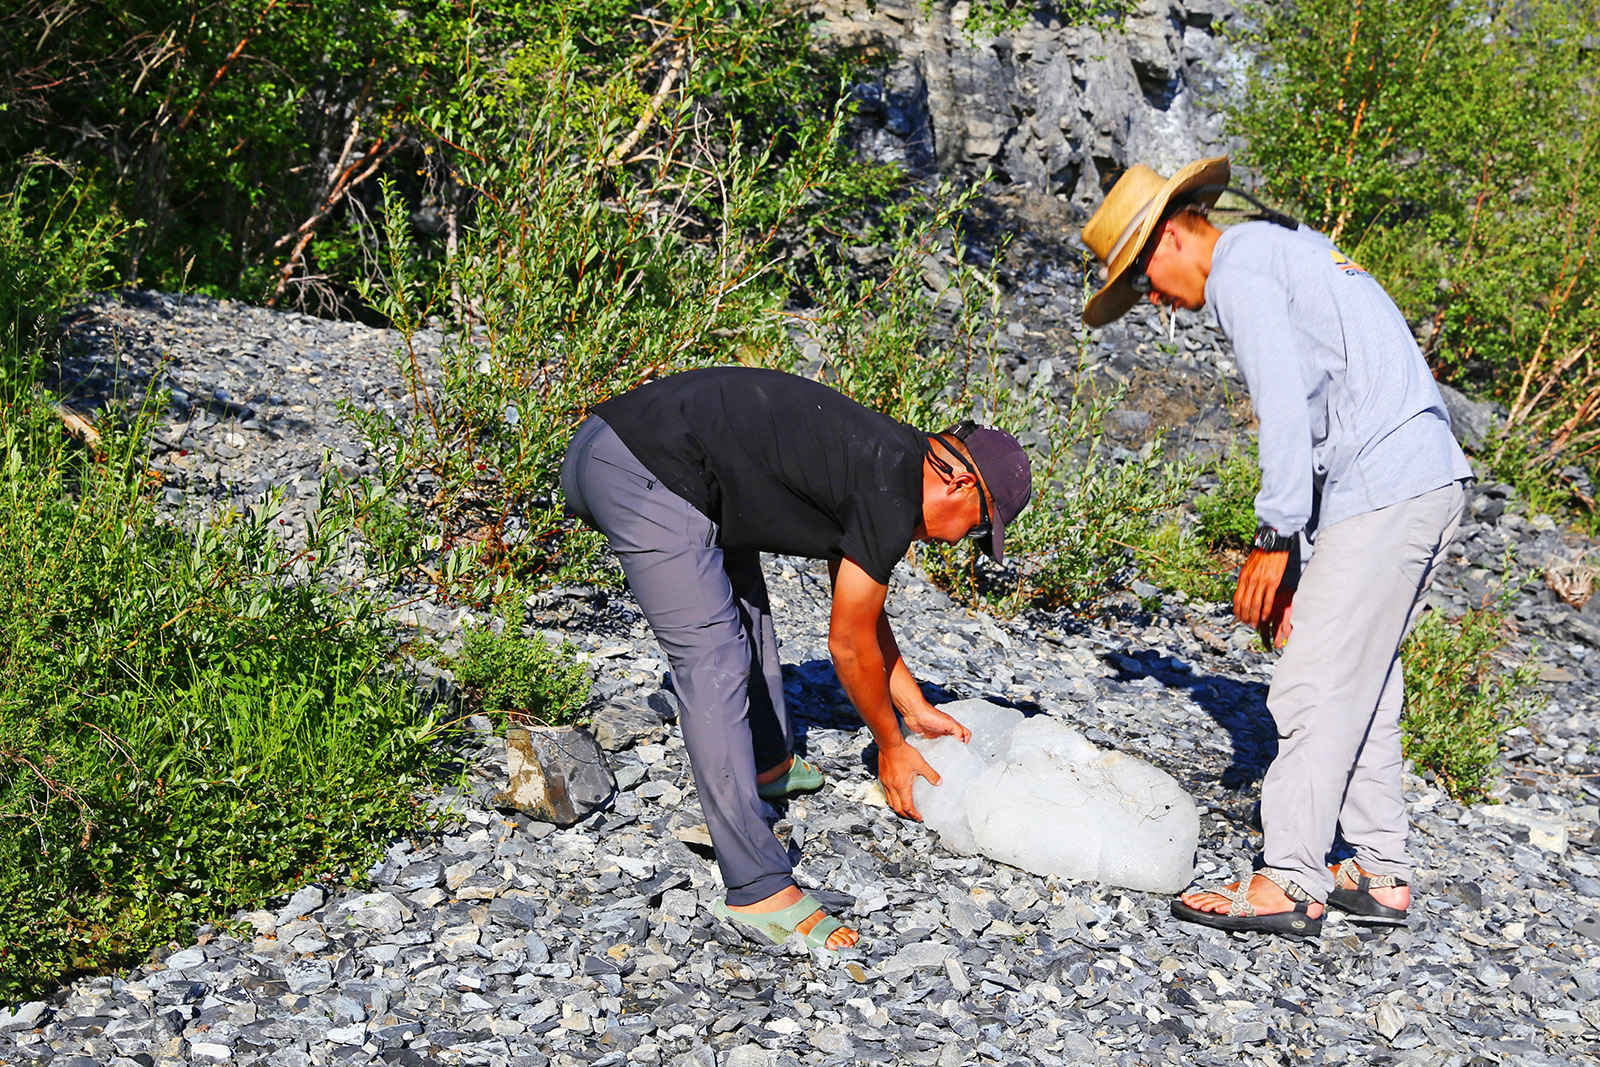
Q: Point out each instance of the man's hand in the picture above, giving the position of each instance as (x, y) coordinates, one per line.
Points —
(899, 765)
(1275, 630)
(929, 721)
(1259, 580)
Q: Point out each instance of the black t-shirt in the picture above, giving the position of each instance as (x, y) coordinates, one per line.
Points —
(780, 463)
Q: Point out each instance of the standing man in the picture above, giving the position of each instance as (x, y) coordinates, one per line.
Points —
(690, 478)
(1356, 454)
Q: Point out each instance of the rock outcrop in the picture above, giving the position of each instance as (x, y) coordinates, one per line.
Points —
(1058, 108)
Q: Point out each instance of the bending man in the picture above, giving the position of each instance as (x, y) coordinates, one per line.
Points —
(690, 478)
(1356, 456)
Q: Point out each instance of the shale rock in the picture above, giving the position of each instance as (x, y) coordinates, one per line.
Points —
(557, 775)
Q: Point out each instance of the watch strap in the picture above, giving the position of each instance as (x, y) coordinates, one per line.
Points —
(1269, 540)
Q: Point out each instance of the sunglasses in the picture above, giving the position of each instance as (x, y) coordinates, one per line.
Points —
(961, 431)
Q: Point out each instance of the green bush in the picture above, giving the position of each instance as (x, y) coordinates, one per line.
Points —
(1227, 512)
(55, 242)
(1460, 700)
(188, 723)
(1090, 526)
(1451, 148)
(521, 678)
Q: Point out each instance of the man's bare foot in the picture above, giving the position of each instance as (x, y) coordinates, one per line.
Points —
(843, 937)
(1264, 896)
(772, 776)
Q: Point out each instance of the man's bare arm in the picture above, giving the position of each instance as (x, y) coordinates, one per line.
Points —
(877, 680)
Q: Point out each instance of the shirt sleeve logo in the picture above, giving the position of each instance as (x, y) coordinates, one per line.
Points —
(1345, 265)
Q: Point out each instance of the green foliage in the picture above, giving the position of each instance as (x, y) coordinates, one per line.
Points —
(1175, 558)
(55, 241)
(878, 335)
(520, 677)
(1093, 520)
(1452, 148)
(1459, 700)
(1516, 459)
(994, 17)
(189, 723)
(1227, 513)
(246, 138)
(580, 277)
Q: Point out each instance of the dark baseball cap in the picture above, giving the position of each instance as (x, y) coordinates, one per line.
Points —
(1006, 473)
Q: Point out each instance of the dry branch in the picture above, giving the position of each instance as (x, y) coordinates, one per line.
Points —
(673, 69)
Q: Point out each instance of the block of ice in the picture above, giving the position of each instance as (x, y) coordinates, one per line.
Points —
(944, 810)
(1047, 800)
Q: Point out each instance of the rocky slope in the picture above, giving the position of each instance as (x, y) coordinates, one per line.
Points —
(505, 941)
(1055, 109)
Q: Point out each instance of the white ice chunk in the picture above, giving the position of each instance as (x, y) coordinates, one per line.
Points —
(991, 726)
(944, 808)
(1050, 802)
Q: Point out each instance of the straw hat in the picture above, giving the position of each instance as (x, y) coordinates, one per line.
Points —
(1126, 219)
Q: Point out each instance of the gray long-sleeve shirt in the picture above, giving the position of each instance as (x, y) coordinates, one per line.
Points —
(1351, 420)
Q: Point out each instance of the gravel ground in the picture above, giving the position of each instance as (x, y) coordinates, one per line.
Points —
(506, 941)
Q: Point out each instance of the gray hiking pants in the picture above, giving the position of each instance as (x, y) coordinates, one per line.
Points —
(1337, 691)
(708, 607)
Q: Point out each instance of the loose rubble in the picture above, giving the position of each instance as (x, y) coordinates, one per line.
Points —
(503, 940)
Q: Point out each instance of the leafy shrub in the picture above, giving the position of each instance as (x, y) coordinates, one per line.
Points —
(1227, 512)
(55, 242)
(580, 276)
(1450, 147)
(1459, 699)
(1092, 518)
(1174, 557)
(189, 723)
(521, 677)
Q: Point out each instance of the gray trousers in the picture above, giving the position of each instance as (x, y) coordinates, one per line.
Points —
(1338, 690)
(709, 610)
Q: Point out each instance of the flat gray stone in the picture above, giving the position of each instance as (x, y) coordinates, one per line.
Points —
(305, 900)
(620, 726)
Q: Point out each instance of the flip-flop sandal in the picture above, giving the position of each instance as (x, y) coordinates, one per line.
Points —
(776, 926)
(1358, 903)
(1241, 916)
(801, 777)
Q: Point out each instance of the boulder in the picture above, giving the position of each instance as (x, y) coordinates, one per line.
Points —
(557, 774)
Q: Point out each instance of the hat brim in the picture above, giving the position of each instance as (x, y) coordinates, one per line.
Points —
(1117, 296)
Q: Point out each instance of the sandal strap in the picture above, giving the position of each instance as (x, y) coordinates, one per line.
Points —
(817, 936)
(1239, 906)
(1364, 881)
(1290, 888)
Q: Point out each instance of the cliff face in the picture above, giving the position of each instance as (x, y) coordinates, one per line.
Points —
(1058, 109)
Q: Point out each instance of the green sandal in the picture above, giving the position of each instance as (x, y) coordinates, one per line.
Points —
(801, 777)
(776, 926)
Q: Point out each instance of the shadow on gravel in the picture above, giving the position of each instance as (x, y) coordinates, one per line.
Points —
(1238, 707)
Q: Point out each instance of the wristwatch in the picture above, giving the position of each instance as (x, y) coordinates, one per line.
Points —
(1269, 540)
